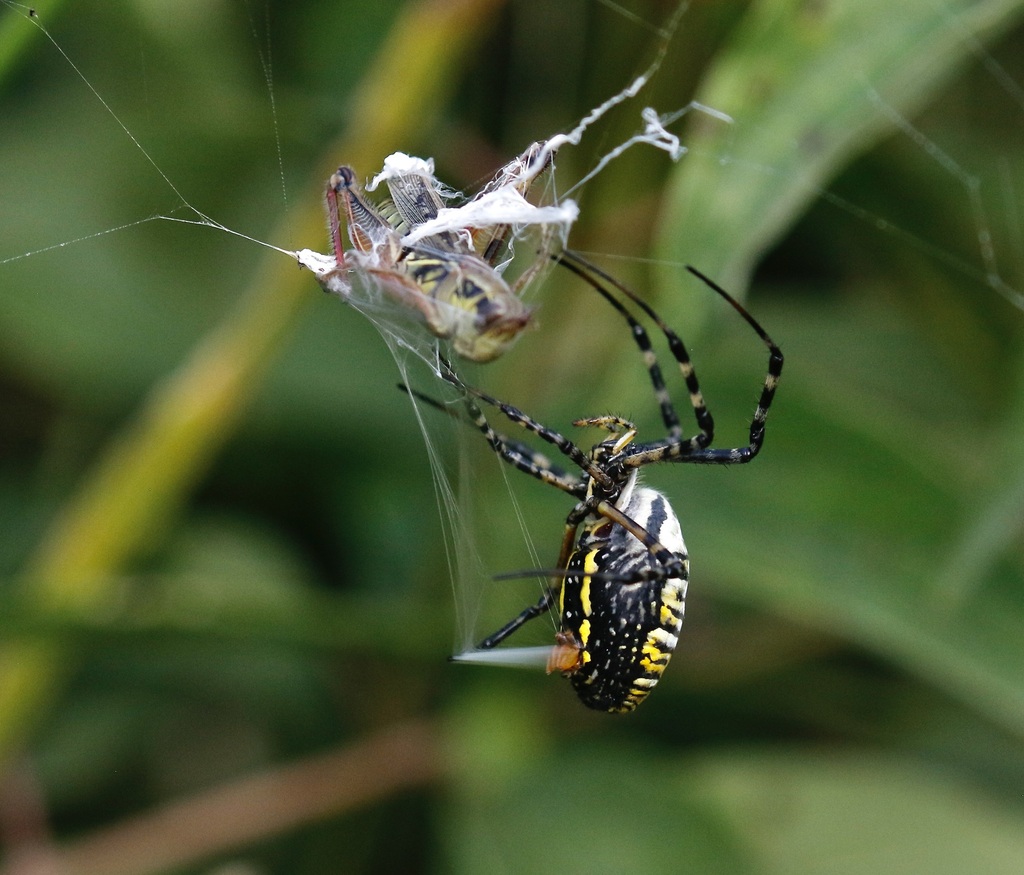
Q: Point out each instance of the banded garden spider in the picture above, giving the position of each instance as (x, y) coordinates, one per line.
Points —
(622, 580)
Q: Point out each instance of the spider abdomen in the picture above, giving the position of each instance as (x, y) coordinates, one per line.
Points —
(619, 608)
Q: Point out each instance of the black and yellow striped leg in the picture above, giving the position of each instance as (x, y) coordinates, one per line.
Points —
(669, 563)
(516, 416)
(674, 451)
(599, 281)
(516, 453)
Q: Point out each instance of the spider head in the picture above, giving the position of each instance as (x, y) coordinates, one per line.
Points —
(608, 476)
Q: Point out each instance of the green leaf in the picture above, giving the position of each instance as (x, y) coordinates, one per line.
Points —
(848, 814)
(809, 85)
(600, 808)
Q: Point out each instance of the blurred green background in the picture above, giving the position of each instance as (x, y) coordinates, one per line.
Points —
(225, 607)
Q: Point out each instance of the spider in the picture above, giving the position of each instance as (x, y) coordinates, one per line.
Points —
(448, 278)
(620, 583)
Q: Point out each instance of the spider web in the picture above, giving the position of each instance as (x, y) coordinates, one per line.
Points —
(454, 450)
(539, 231)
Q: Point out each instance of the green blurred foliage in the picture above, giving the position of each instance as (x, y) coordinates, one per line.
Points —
(848, 696)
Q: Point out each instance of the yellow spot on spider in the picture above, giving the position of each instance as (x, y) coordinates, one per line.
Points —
(584, 632)
(654, 659)
(590, 567)
(671, 611)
